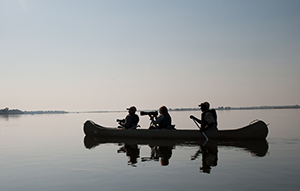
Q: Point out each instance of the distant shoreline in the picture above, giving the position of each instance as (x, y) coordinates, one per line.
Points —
(242, 108)
(7, 111)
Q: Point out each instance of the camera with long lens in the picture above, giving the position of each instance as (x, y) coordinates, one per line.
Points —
(150, 113)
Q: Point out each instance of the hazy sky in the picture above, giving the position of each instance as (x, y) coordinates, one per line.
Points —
(107, 55)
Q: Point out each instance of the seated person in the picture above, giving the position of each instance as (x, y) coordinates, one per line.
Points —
(131, 120)
(208, 119)
(163, 121)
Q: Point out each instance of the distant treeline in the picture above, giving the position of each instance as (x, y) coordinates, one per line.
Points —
(7, 111)
(45, 112)
(241, 108)
(260, 107)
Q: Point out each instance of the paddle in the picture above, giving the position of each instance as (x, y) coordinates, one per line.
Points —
(200, 129)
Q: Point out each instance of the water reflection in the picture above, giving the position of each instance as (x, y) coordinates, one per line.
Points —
(209, 151)
(7, 117)
(158, 153)
(161, 150)
(132, 151)
(162, 153)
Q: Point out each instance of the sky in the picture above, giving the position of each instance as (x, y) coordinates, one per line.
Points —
(108, 55)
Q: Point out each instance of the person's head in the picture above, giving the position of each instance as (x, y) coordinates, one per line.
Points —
(131, 109)
(204, 106)
(163, 109)
(164, 161)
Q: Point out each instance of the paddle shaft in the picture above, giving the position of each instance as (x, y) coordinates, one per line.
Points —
(200, 129)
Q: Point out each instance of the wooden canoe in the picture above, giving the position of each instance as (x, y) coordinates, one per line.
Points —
(255, 131)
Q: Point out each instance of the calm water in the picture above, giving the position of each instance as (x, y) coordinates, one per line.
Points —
(49, 152)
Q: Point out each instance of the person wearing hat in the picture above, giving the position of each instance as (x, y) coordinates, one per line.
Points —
(208, 119)
(131, 120)
(163, 121)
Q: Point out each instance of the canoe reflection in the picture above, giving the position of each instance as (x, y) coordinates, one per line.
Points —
(161, 150)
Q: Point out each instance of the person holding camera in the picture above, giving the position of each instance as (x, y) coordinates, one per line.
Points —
(131, 120)
(163, 121)
(208, 119)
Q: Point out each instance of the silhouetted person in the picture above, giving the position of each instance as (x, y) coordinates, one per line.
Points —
(131, 120)
(163, 121)
(208, 119)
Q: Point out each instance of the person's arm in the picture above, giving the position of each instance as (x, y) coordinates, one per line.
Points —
(196, 119)
(158, 119)
(131, 121)
(126, 122)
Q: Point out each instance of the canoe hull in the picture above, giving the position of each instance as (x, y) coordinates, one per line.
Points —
(255, 131)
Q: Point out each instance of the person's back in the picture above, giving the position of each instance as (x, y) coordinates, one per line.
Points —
(163, 121)
(131, 120)
(209, 120)
(166, 122)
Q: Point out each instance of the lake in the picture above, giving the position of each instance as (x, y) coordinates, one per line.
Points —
(49, 152)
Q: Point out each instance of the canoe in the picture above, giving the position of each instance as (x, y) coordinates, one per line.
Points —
(257, 130)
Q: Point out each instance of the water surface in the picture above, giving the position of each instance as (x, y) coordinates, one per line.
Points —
(50, 152)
